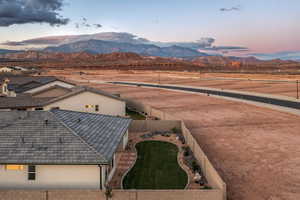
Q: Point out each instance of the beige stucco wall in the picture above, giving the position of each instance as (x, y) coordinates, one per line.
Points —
(107, 106)
(154, 125)
(43, 87)
(52, 177)
(54, 92)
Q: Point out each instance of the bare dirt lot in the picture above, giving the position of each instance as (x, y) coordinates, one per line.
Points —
(256, 150)
(284, 85)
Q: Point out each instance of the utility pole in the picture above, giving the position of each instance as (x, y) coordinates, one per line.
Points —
(297, 82)
(159, 77)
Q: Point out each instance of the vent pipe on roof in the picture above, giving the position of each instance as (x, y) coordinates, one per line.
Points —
(61, 140)
(46, 122)
(79, 120)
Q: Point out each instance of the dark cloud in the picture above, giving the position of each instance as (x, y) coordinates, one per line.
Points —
(236, 8)
(98, 25)
(31, 11)
(227, 48)
(85, 24)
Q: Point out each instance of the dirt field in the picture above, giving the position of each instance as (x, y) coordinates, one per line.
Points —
(255, 150)
(242, 82)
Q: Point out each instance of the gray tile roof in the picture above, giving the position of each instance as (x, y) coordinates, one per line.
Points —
(68, 137)
(21, 84)
(80, 89)
(23, 101)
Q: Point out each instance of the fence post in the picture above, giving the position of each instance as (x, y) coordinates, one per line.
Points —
(297, 84)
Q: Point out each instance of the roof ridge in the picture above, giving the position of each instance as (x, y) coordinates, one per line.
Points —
(80, 138)
(91, 113)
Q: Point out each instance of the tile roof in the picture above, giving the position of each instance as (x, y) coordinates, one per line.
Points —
(21, 84)
(59, 137)
(80, 89)
(23, 101)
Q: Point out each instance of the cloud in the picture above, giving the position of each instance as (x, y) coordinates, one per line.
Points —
(235, 8)
(198, 44)
(85, 24)
(57, 40)
(98, 25)
(283, 55)
(31, 11)
(228, 48)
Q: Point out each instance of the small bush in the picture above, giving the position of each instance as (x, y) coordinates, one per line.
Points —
(195, 166)
(108, 192)
(207, 187)
(175, 130)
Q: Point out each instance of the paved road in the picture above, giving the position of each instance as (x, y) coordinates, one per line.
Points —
(249, 97)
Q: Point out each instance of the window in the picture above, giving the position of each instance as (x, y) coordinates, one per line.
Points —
(97, 108)
(39, 108)
(14, 167)
(31, 172)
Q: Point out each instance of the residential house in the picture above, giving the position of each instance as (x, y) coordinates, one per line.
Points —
(80, 98)
(31, 84)
(59, 149)
(6, 70)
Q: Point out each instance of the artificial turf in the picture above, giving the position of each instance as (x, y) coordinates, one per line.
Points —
(156, 168)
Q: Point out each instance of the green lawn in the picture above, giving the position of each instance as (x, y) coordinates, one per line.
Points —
(156, 168)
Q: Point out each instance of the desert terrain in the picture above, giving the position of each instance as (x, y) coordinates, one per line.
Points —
(283, 85)
(255, 150)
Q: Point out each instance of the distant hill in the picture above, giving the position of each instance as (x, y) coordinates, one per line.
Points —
(104, 47)
(4, 51)
(238, 61)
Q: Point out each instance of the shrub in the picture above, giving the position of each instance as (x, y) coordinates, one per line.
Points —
(108, 192)
(175, 130)
(195, 166)
(186, 150)
(207, 187)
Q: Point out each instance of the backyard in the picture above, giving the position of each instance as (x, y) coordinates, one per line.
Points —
(156, 168)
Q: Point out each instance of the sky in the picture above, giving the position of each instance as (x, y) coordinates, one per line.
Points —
(268, 26)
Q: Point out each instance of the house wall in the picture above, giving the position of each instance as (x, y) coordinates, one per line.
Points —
(54, 92)
(107, 106)
(52, 177)
(43, 87)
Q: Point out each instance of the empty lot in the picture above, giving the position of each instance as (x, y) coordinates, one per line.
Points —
(284, 85)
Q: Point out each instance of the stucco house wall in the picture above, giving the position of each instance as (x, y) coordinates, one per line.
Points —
(46, 86)
(52, 177)
(107, 106)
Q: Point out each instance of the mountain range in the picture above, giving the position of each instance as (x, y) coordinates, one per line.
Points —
(4, 51)
(108, 42)
(102, 47)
